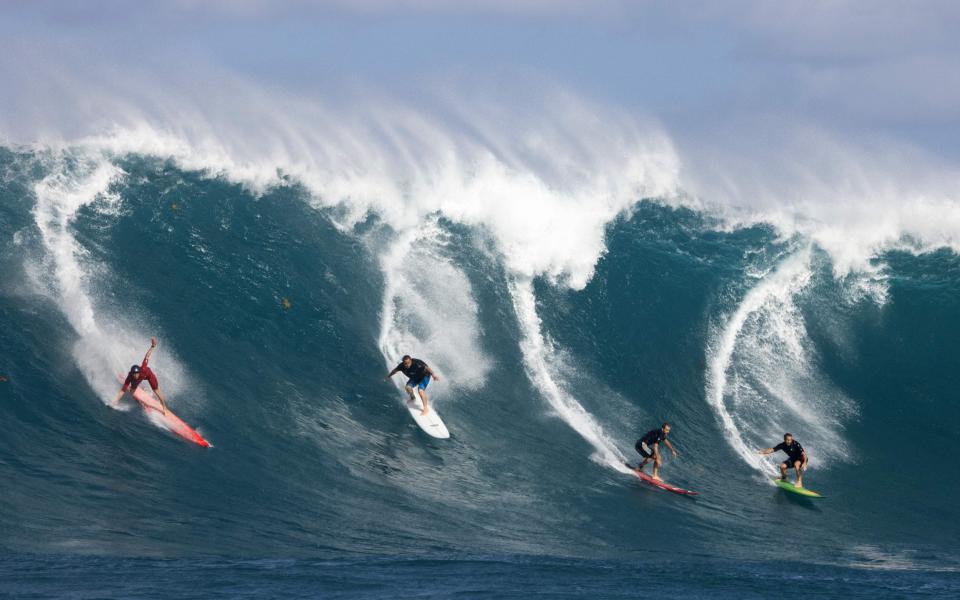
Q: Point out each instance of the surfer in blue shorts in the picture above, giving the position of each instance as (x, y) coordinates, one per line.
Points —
(796, 457)
(419, 375)
(649, 448)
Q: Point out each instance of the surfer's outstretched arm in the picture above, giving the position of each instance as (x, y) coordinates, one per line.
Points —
(123, 390)
(766, 451)
(390, 374)
(669, 445)
(433, 374)
(153, 344)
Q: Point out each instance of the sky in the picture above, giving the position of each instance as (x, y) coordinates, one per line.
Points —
(887, 67)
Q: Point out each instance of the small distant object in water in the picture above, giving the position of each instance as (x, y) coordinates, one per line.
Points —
(285, 303)
(174, 207)
(3, 378)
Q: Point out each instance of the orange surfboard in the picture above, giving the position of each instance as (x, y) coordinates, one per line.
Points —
(662, 485)
(170, 421)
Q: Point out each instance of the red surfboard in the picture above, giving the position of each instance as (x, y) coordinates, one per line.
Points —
(660, 484)
(170, 421)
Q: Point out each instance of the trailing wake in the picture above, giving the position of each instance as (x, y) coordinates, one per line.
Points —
(763, 377)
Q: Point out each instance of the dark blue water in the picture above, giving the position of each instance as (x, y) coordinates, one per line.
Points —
(319, 483)
(482, 577)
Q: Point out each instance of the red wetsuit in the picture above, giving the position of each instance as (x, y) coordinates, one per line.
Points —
(145, 375)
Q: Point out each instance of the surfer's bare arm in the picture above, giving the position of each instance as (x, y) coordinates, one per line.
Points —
(765, 451)
(804, 465)
(119, 396)
(390, 374)
(153, 344)
(672, 449)
(432, 374)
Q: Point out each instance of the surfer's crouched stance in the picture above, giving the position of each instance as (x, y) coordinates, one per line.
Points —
(142, 373)
(649, 448)
(419, 375)
(796, 457)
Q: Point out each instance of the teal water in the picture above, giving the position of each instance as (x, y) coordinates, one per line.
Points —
(316, 465)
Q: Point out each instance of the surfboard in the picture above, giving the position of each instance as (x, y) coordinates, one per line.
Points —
(661, 484)
(789, 487)
(169, 421)
(431, 423)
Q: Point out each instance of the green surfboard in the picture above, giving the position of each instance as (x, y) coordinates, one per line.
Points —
(789, 487)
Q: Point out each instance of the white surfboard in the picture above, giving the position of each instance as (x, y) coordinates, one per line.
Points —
(431, 422)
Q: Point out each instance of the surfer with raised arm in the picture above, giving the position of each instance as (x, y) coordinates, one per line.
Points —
(649, 448)
(419, 375)
(796, 457)
(140, 373)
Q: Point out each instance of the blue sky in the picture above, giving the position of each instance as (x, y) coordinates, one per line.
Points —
(881, 64)
(859, 69)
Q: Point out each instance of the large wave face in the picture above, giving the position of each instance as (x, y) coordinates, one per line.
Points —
(278, 316)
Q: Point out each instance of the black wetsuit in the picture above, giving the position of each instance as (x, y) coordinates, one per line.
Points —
(794, 452)
(415, 372)
(645, 444)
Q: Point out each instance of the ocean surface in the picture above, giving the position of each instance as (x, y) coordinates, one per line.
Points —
(279, 313)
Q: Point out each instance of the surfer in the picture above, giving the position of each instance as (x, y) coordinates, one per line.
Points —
(139, 373)
(419, 375)
(796, 457)
(649, 448)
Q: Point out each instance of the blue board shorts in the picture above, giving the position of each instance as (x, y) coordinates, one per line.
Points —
(419, 384)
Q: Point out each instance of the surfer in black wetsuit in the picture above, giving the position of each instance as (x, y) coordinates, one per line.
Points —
(419, 375)
(796, 457)
(649, 448)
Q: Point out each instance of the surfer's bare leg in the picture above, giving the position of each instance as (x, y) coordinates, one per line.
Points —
(163, 403)
(783, 472)
(796, 466)
(410, 393)
(656, 466)
(642, 464)
(426, 402)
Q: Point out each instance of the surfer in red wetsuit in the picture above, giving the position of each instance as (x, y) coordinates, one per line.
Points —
(139, 373)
